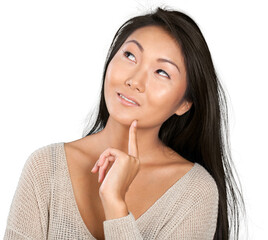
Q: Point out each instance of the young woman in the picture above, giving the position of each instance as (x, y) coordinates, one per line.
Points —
(155, 164)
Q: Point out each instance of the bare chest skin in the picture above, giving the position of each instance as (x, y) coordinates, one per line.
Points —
(148, 186)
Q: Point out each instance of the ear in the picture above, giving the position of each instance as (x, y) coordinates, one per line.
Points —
(183, 108)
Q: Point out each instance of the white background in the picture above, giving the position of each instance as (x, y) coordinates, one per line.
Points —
(52, 56)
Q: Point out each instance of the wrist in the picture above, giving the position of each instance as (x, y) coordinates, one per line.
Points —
(114, 208)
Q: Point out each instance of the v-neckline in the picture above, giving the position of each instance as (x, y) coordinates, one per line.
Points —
(141, 216)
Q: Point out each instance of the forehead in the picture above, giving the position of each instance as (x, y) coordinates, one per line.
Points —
(156, 40)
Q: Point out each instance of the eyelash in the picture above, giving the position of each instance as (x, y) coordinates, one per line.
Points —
(126, 52)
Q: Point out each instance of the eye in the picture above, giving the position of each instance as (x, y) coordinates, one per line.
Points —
(163, 72)
(127, 53)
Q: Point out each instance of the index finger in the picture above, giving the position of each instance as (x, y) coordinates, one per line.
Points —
(132, 140)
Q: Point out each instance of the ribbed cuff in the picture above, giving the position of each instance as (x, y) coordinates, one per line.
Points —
(122, 228)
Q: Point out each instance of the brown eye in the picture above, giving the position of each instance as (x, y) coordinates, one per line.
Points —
(163, 72)
(127, 54)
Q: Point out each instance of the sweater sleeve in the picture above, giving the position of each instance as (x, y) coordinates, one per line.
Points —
(28, 214)
(201, 220)
(122, 228)
(198, 222)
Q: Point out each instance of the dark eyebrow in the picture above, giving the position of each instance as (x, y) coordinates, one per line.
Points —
(138, 44)
(159, 59)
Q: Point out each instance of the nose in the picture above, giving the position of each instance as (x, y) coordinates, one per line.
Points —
(137, 81)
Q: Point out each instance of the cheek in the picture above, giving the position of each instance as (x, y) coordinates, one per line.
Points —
(111, 79)
(157, 94)
(164, 98)
(161, 92)
(115, 73)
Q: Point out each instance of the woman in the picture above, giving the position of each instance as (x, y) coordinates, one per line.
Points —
(159, 164)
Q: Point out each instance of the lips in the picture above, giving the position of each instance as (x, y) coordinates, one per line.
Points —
(130, 98)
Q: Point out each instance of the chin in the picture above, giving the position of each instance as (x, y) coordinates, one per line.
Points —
(124, 120)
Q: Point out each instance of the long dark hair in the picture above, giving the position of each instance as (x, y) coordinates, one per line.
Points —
(201, 134)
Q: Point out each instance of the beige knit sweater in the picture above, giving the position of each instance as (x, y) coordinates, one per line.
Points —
(44, 206)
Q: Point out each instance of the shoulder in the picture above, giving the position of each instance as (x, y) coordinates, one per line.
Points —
(43, 153)
(197, 179)
(197, 191)
(37, 171)
(37, 154)
(40, 162)
(203, 184)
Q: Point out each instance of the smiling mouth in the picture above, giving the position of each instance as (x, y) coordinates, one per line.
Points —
(127, 101)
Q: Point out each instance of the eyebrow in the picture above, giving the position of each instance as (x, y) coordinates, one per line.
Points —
(159, 59)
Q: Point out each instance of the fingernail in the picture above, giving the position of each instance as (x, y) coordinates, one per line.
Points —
(135, 123)
(98, 162)
(93, 168)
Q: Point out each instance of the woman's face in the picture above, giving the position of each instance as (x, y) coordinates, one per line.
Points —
(157, 85)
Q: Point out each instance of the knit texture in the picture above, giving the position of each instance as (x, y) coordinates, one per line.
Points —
(44, 206)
